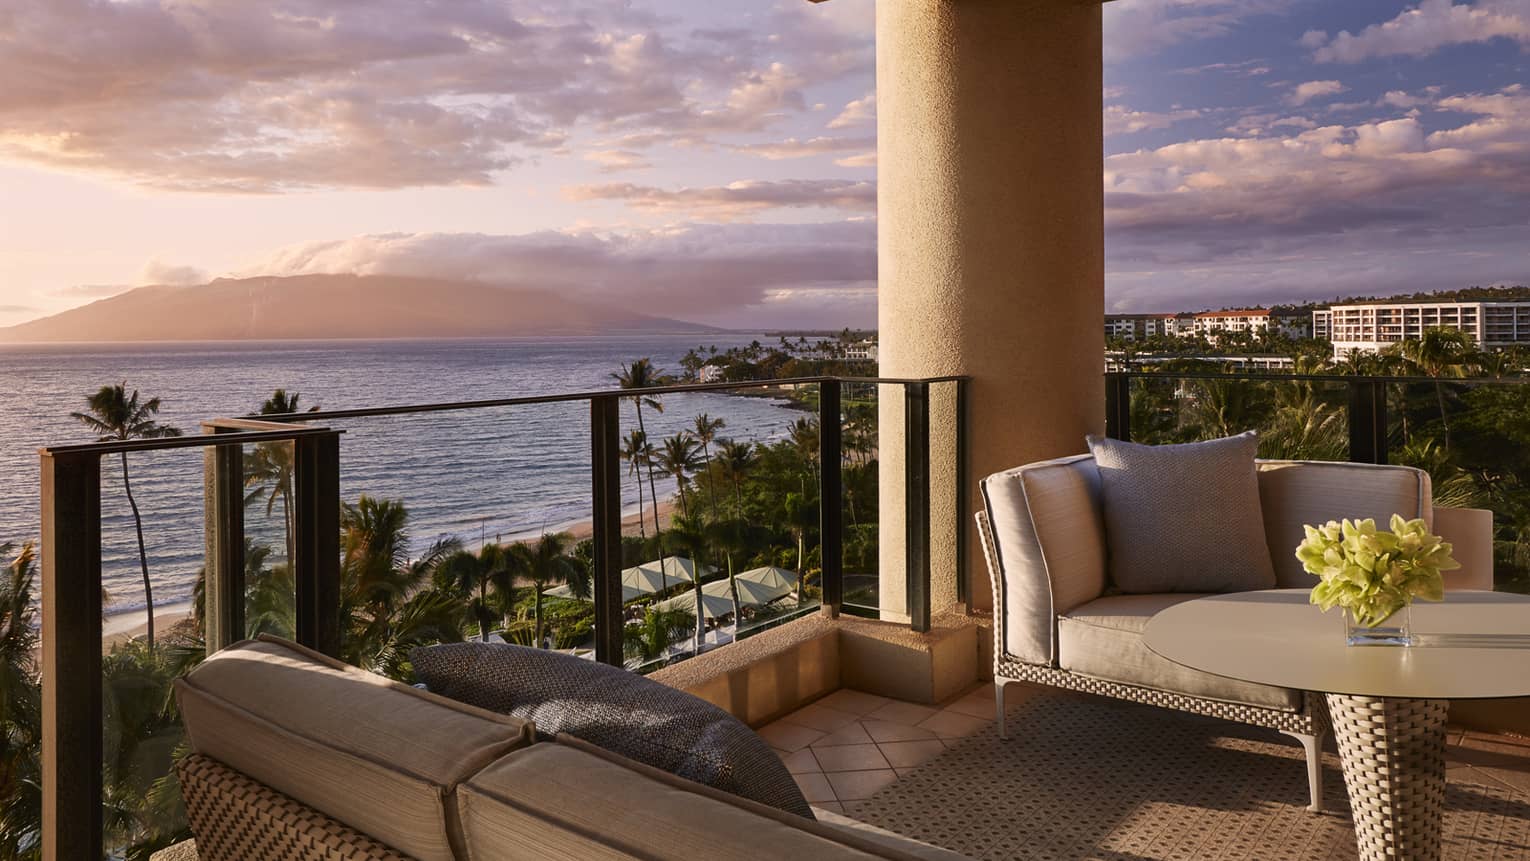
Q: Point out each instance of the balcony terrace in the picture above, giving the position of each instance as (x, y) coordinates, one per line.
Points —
(886, 720)
(990, 298)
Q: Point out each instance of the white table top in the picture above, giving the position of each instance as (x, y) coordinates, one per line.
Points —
(1470, 646)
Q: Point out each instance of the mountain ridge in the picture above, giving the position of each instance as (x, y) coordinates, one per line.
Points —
(334, 307)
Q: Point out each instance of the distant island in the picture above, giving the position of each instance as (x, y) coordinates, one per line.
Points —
(306, 307)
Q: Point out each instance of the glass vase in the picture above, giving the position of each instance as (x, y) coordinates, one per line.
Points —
(1395, 630)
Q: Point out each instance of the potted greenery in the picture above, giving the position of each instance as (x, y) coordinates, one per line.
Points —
(1373, 575)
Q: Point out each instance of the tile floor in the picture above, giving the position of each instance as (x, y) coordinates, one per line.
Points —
(845, 747)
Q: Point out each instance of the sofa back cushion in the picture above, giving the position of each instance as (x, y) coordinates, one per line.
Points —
(620, 711)
(1049, 541)
(1296, 493)
(1183, 518)
(568, 800)
(379, 756)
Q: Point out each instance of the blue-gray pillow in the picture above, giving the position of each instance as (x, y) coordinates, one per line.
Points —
(1183, 518)
(614, 709)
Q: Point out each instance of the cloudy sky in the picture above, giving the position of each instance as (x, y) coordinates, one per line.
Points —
(716, 160)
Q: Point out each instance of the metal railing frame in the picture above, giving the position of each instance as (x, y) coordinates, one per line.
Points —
(1366, 406)
(73, 747)
(72, 742)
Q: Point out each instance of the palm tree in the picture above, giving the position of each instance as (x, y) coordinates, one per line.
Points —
(646, 640)
(269, 470)
(547, 562)
(690, 537)
(387, 604)
(1441, 352)
(678, 458)
(20, 705)
(638, 453)
(1493, 363)
(801, 515)
(804, 438)
(114, 415)
(641, 374)
(728, 537)
(705, 430)
(738, 459)
(476, 578)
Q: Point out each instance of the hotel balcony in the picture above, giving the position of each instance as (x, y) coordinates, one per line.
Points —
(873, 681)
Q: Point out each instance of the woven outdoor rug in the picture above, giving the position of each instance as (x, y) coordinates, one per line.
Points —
(1100, 779)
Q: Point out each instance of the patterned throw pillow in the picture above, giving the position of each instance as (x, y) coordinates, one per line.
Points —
(616, 710)
(1183, 518)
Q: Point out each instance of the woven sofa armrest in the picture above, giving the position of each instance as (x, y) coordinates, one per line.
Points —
(237, 818)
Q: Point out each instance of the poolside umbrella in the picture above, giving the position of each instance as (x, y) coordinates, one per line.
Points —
(660, 574)
(714, 602)
(759, 586)
(648, 578)
(629, 593)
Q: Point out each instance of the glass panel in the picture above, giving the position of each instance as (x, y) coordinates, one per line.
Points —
(1296, 419)
(860, 403)
(153, 547)
(1472, 438)
(269, 585)
(736, 478)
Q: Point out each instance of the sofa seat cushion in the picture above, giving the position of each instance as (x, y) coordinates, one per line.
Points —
(619, 711)
(1183, 518)
(379, 756)
(570, 800)
(1103, 639)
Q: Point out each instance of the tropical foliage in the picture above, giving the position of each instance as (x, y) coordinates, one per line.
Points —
(1457, 412)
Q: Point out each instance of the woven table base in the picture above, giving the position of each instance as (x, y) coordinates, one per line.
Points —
(1393, 753)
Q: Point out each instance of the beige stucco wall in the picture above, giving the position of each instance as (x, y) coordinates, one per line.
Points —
(990, 243)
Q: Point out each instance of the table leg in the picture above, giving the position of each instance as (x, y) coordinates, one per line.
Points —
(1393, 753)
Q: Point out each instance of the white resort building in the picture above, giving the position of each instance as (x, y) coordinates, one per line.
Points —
(1371, 327)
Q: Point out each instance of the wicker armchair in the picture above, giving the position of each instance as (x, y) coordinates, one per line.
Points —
(1056, 622)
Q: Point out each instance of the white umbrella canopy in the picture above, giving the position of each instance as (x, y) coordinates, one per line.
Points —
(756, 587)
(648, 578)
(762, 585)
(712, 603)
(655, 576)
(629, 593)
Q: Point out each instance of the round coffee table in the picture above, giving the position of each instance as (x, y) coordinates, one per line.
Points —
(1387, 703)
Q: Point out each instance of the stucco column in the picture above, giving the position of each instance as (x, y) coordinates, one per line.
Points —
(990, 246)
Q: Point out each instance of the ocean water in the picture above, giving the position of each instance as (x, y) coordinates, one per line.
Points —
(476, 474)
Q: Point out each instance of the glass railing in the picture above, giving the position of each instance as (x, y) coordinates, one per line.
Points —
(1472, 435)
(592, 529)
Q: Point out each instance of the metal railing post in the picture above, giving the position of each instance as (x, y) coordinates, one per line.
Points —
(916, 508)
(223, 622)
(316, 519)
(831, 518)
(1367, 421)
(1118, 405)
(606, 519)
(72, 746)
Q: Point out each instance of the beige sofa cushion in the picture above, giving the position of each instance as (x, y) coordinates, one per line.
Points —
(1295, 493)
(572, 800)
(1183, 518)
(380, 756)
(1103, 639)
(1050, 543)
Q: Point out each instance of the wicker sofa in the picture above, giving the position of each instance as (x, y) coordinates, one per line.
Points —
(1057, 622)
(297, 757)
